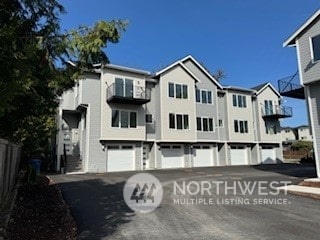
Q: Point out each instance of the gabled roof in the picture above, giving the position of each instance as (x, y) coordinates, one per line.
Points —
(260, 88)
(180, 62)
(291, 41)
(249, 90)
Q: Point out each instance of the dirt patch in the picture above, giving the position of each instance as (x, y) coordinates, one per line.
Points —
(310, 184)
(41, 213)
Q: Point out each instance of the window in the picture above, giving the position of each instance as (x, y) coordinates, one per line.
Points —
(210, 124)
(124, 87)
(221, 123)
(124, 119)
(241, 126)
(115, 118)
(268, 107)
(199, 124)
(209, 97)
(234, 100)
(236, 128)
(315, 42)
(203, 96)
(198, 95)
(271, 129)
(172, 121)
(239, 101)
(178, 121)
(148, 118)
(171, 90)
(178, 91)
(185, 91)
(205, 124)
(133, 119)
(186, 121)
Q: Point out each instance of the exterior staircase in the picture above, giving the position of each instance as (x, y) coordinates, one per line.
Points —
(73, 164)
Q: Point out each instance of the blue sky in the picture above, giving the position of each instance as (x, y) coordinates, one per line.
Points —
(242, 37)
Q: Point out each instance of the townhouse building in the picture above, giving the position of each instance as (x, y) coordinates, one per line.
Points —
(123, 119)
(306, 40)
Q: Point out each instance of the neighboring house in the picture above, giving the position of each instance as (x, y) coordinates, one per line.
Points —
(304, 133)
(289, 134)
(123, 119)
(307, 42)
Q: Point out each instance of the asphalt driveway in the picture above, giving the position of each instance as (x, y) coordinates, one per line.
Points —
(96, 201)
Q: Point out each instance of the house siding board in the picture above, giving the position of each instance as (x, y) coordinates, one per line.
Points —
(174, 105)
(150, 108)
(91, 95)
(112, 133)
(310, 71)
(237, 113)
(314, 90)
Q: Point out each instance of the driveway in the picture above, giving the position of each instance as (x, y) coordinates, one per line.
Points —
(96, 202)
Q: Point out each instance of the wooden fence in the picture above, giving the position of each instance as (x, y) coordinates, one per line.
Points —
(10, 155)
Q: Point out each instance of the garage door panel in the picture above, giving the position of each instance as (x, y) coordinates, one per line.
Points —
(172, 157)
(120, 159)
(239, 156)
(202, 156)
(268, 156)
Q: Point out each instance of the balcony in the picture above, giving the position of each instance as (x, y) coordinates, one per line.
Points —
(290, 87)
(276, 112)
(128, 94)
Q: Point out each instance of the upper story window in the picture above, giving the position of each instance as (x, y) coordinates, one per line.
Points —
(178, 90)
(148, 118)
(205, 124)
(178, 121)
(239, 101)
(124, 87)
(271, 129)
(240, 126)
(123, 119)
(203, 96)
(315, 48)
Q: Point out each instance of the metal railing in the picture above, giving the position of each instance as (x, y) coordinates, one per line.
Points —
(290, 83)
(128, 92)
(276, 111)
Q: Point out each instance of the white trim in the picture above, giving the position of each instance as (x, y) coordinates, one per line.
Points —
(86, 167)
(203, 69)
(313, 132)
(206, 117)
(189, 72)
(311, 49)
(299, 63)
(268, 85)
(289, 42)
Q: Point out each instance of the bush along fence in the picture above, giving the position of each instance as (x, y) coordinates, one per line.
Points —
(10, 155)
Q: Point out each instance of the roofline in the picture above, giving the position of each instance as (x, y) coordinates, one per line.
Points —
(272, 87)
(198, 65)
(291, 41)
(203, 69)
(239, 89)
(127, 69)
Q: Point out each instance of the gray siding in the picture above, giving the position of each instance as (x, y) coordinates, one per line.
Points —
(222, 108)
(91, 95)
(314, 101)
(309, 70)
(150, 108)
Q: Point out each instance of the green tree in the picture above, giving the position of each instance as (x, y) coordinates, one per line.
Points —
(302, 145)
(38, 62)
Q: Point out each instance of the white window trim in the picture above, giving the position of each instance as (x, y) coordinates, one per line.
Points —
(213, 124)
(175, 121)
(202, 89)
(128, 119)
(175, 92)
(311, 50)
(238, 123)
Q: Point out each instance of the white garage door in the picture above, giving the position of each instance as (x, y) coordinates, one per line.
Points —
(120, 158)
(172, 156)
(239, 155)
(202, 156)
(268, 155)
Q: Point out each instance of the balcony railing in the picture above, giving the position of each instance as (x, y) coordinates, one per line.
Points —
(128, 94)
(290, 87)
(276, 112)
